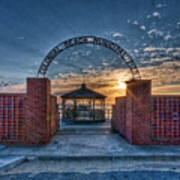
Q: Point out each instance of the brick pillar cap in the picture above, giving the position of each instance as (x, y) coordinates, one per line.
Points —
(138, 80)
(38, 78)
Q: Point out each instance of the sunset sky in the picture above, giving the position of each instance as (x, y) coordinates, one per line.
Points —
(148, 30)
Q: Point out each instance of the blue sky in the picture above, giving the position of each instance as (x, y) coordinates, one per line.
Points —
(149, 30)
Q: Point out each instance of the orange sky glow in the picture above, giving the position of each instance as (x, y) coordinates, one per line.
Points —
(111, 82)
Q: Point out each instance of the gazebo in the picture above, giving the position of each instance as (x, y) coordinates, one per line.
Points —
(83, 105)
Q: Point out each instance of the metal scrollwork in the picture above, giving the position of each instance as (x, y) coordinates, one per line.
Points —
(89, 40)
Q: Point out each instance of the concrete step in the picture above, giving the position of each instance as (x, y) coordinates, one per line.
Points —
(85, 130)
(9, 162)
(111, 157)
(91, 166)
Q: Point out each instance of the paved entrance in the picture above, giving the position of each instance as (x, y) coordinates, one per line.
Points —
(87, 151)
(93, 146)
(86, 128)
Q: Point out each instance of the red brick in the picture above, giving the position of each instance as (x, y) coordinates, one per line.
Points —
(37, 110)
(12, 118)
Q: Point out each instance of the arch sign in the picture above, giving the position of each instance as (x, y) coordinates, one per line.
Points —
(89, 40)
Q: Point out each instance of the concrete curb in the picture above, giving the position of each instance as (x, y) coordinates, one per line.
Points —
(2, 147)
(111, 158)
(11, 163)
(17, 160)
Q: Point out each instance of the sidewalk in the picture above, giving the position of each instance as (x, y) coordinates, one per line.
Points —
(87, 153)
(92, 146)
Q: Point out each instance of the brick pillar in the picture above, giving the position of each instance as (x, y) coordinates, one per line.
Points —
(38, 111)
(119, 115)
(138, 112)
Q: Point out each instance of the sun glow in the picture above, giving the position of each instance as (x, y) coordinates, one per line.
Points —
(121, 85)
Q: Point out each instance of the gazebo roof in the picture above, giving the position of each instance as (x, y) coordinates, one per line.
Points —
(83, 92)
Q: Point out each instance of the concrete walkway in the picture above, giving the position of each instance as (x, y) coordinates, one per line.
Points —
(94, 143)
(87, 149)
(92, 146)
(88, 153)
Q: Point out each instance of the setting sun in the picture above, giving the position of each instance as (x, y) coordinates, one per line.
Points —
(121, 85)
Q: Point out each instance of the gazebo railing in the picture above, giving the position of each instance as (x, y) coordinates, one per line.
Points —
(108, 110)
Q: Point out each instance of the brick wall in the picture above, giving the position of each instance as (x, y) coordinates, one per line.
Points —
(12, 118)
(147, 120)
(166, 119)
(142, 119)
(132, 118)
(31, 118)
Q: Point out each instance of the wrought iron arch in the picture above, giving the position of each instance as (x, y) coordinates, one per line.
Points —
(89, 40)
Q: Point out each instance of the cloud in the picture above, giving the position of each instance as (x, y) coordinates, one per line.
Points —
(143, 27)
(178, 25)
(135, 22)
(155, 33)
(163, 49)
(105, 64)
(21, 38)
(152, 55)
(167, 37)
(165, 80)
(136, 51)
(128, 21)
(163, 74)
(159, 60)
(167, 89)
(19, 88)
(55, 62)
(105, 82)
(117, 34)
(176, 54)
(150, 48)
(156, 14)
(160, 5)
(148, 16)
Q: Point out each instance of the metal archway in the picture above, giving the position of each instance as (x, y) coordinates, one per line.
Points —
(89, 40)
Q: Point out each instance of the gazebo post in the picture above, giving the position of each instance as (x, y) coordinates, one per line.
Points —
(63, 108)
(93, 109)
(75, 103)
(104, 109)
(75, 106)
(89, 101)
